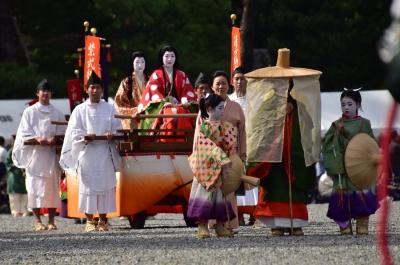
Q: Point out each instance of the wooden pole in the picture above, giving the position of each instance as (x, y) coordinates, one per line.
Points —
(147, 116)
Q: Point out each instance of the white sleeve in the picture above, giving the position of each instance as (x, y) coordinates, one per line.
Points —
(22, 154)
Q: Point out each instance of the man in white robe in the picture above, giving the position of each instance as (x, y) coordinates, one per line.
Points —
(40, 161)
(95, 161)
(250, 197)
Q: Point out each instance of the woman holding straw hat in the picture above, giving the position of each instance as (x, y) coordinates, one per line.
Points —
(347, 200)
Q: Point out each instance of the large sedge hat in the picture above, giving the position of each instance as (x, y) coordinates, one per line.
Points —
(235, 176)
(282, 68)
(361, 160)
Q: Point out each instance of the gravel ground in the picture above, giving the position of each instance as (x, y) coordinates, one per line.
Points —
(166, 240)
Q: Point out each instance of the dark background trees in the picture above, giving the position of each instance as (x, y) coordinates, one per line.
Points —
(337, 37)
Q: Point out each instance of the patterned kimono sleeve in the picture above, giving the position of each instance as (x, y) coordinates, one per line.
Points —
(121, 98)
(188, 94)
(151, 93)
(332, 152)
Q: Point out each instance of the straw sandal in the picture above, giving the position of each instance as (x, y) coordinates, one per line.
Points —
(51, 227)
(277, 231)
(203, 231)
(39, 226)
(91, 226)
(221, 231)
(102, 226)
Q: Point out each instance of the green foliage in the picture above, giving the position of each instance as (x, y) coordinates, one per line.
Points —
(337, 37)
(21, 82)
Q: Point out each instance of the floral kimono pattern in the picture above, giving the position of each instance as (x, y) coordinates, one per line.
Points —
(214, 143)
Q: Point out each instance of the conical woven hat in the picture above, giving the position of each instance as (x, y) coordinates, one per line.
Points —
(235, 176)
(361, 160)
(282, 68)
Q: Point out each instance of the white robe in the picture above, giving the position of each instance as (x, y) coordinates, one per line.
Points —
(95, 162)
(251, 196)
(40, 162)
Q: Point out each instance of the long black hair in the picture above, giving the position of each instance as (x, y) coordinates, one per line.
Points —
(131, 70)
(171, 88)
(213, 100)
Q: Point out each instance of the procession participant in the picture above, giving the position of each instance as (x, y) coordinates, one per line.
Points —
(248, 200)
(215, 140)
(201, 86)
(95, 161)
(347, 201)
(284, 118)
(16, 187)
(167, 82)
(40, 161)
(233, 113)
(130, 89)
(239, 84)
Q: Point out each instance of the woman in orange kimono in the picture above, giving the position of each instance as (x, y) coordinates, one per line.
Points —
(130, 90)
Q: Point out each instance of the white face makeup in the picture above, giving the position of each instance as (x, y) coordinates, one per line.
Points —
(169, 59)
(349, 107)
(216, 113)
(139, 64)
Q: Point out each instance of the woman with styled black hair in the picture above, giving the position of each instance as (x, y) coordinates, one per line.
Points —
(130, 89)
(348, 201)
(168, 82)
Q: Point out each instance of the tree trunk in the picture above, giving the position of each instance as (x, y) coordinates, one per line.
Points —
(247, 26)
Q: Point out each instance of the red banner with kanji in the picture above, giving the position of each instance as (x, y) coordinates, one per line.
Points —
(92, 58)
(74, 90)
(235, 49)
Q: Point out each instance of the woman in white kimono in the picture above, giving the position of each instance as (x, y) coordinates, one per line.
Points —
(95, 161)
(40, 161)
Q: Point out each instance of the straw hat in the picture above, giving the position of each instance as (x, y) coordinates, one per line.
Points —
(235, 176)
(361, 160)
(282, 68)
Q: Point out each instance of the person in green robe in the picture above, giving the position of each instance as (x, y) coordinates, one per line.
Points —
(347, 202)
(16, 188)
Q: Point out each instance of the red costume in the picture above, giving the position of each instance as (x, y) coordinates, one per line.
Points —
(158, 88)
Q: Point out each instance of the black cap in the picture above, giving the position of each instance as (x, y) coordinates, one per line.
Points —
(94, 79)
(201, 79)
(44, 85)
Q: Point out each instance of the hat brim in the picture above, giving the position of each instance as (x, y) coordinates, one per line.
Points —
(281, 72)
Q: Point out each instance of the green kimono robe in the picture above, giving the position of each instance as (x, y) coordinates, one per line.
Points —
(335, 144)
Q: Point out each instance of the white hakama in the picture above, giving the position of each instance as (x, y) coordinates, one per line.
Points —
(250, 198)
(43, 192)
(41, 162)
(92, 203)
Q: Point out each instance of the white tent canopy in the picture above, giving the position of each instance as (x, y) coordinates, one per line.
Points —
(375, 104)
